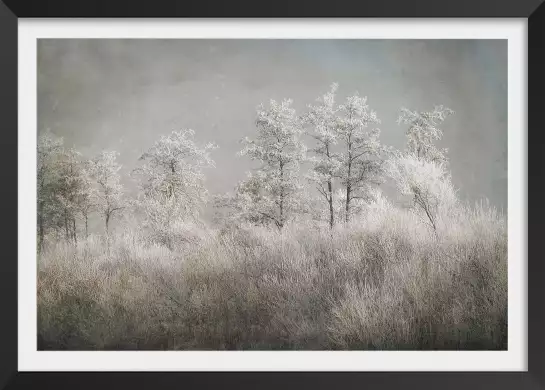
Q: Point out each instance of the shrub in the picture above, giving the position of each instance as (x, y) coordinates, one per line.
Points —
(382, 282)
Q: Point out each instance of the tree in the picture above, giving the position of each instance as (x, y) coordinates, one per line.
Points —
(279, 149)
(322, 117)
(245, 204)
(423, 131)
(171, 180)
(250, 203)
(87, 199)
(49, 150)
(421, 170)
(361, 161)
(172, 170)
(104, 170)
(70, 188)
(428, 182)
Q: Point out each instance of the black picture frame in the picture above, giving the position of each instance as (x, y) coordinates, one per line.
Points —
(10, 11)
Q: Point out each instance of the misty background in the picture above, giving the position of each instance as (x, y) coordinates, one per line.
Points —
(124, 94)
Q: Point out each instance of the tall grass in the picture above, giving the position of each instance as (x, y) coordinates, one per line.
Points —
(384, 282)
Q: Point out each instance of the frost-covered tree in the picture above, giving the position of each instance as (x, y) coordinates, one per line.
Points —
(423, 131)
(104, 170)
(249, 203)
(172, 170)
(71, 190)
(357, 205)
(324, 125)
(275, 186)
(421, 170)
(49, 150)
(361, 208)
(164, 221)
(171, 181)
(65, 191)
(87, 199)
(428, 182)
(361, 158)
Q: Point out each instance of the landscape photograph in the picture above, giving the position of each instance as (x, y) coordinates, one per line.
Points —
(271, 194)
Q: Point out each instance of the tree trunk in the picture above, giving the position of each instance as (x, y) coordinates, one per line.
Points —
(40, 226)
(171, 187)
(347, 208)
(107, 221)
(424, 206)
(330, 200)
(40, 212)
(74, 232)
(281, 225)
(330, 190)
(348, 181)
(86, 226)
(67, 235)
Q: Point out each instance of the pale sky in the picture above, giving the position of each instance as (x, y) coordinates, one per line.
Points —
(123, 94)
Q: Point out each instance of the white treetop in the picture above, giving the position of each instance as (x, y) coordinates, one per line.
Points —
(423, 131)
(172, 169)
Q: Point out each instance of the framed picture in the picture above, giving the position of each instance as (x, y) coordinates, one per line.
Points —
(238, 195)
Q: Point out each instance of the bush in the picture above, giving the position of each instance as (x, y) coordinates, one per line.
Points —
(383, 282)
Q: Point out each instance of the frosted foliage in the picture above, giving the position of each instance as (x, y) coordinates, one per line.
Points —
(164, 221)
(361, 167)
(49, 152)
(347, 152)
(427, 182)
(273, 191)
(89, 197)
(65, 190)
(377, 203)
(49, 148)
(323, 122)
(254, 202)
(374, 199)
(322, 116)
(281, 268)
(172, 170)
(278, 141)
(358, 117)
(423, 131)
(70, 185)
(104, 170)
(250, 202)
